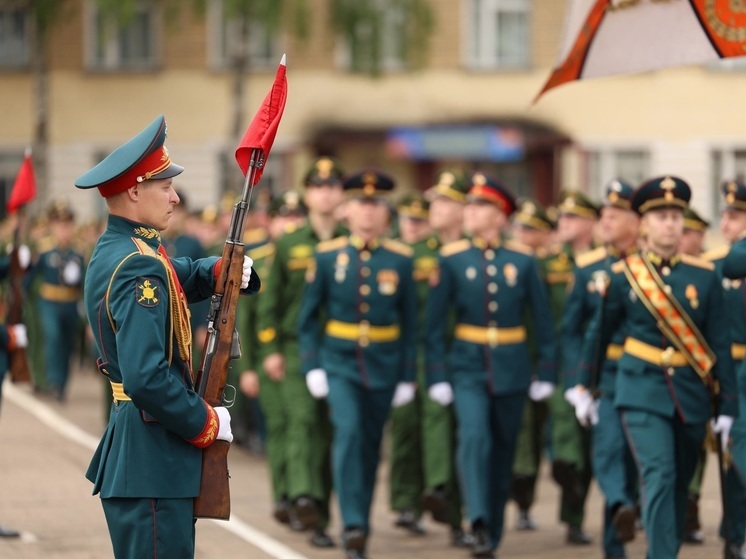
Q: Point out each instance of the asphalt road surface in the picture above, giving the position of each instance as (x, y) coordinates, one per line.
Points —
(45, 448)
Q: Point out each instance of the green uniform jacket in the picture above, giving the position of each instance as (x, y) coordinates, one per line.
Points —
(364, 285)
(645, 386)
(146, 449)
(277, 315)
(489, 286)
(581, 306)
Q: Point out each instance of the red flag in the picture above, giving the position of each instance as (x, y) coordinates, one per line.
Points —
(263, 128)
(24, 188)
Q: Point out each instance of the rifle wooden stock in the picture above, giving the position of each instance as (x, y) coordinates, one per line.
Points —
(18, 360)
(214, 494)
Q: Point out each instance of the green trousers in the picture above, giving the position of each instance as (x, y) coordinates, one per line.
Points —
(528, 453)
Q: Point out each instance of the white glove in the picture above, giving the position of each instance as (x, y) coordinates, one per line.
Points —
(586, 409)
(71, 273)
(24, 256)
(722, 425)
(246, 272)
(540, 390)
(572, 395)
(441, 393)
(317, 383)
(20, 334)
(224, 424)
(404, 394)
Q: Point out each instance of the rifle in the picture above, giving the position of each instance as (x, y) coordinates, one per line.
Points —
(221, 345)
(18, 365)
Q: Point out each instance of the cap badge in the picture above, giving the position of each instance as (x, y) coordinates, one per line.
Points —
(479, 179)
(324, 167)
(668, 184)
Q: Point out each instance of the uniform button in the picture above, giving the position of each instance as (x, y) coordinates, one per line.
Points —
(666, 271)
(671, 371)
(363, 342)
(492, 287)
(365, 290)
(492, 270)
(365, 272)
(364, 324)
(365, 256)
(667, 289)
(364, 307)
(492, 324)
(492, 306)
(489, 254)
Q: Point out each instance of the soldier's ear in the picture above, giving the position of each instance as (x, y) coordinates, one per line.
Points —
(133, 192)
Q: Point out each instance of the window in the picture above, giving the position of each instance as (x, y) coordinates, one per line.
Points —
(10, 164)
(725, 164)
(631, 165)
(113, 47)
(227, 40)
(498, 34)
(14, 38)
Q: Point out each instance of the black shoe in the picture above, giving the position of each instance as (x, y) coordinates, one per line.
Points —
(354, 554)
(320, 538)
(294, 522)
(525, 522)
(461, 539)
(409, 521)
(6, 532)
(732, 551)
(307, 512)
(482, 542)
(567, 477)
(624, 522)
(354, 538)
(435, 502)
(576, 536)
(695, 537)
(281, 512)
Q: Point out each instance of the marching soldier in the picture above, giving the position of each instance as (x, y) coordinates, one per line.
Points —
(286, 213)
(733, 227)
(674, 354)
(356, 329)
(571, 462)
(533, 227)
(612, 461)
(147, 467)
(489, 369)
(298, 424)
(407, 467)
(61, 270)
(692, 243)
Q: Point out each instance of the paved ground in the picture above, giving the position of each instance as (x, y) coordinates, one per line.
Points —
(46, 446)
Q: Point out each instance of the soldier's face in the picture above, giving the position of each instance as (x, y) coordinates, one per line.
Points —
(664, 228)
(413, 230)
(529, 236)
(732, 224)
(482, 218)
(323, 199)
(156, 201)
(692, 242)
(367, 216)
(618, 224)
(571, 227)
(444, 213)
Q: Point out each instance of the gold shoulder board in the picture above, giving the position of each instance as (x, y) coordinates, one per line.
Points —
(697, 262)
(590, 257)
(455, 247)
(716, 253)
(334, 244)
(519, 247)
(262, 251)
(398, 247)
(253, 236)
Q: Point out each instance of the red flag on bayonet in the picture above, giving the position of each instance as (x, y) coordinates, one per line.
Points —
(24, 188)
(263, 128)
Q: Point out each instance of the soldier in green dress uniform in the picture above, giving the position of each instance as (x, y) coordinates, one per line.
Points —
(147, 467)
(533, 227)
(357, 330)
(298, 424)
(490, 286)
(406, 477)
(442, 495)
(733, 227)
(612, 461)
(675, 353)
(570, 443)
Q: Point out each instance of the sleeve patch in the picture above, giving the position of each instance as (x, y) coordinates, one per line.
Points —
(148, 291)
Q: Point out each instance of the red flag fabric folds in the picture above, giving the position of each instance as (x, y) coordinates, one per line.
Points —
(263, 128)
(24, 187)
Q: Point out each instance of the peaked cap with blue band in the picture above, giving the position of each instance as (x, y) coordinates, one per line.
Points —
(661, 192)
(142, 158)
(618, 194)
